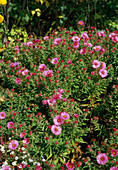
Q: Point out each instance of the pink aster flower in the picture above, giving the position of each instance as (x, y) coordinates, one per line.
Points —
(76, 115)
(22, 134)
(103, 50)
(113, 168)
(83, 51)
(56, 129)
(57, 41)
(97, 48)
(76, 39)
(6, 167)
(13, 144)
(46, 38)
(88, 44)
(96, 64)
(48, 73)
(10, 125)
(111, 35)
(38, 167)
(42, 67)
(75, 45)
(102, 158)
(51, 102)
(103, 65)
(84, 35)
(18, 80)
(57, 96)
(69, 62)
(58, 120)
(114, 153)
(25, 72)
(70, 166)
(26, 141)
(44, 102)
(103, 72)
(60, 90)
(2, 115)
(54, 60)
(101, 34)
(81, 23)
(65, 115)
(30, 43)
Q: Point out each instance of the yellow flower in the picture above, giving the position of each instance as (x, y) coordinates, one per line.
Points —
(1, 18)
(3, 2)
(2, 49)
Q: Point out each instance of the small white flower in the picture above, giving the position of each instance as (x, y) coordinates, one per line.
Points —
(38, 164)
(34, 163)
(23, 148)
(24, 151)
(30, 160)
(23, 162)
(14, 163)
(16, 158)
(5, 163)
(23, 157)
(43, 160)
(24, 141)
(9, 138)
(12, 152)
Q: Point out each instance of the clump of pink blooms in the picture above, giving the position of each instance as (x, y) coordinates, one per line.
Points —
(13, 144)
(102, 158)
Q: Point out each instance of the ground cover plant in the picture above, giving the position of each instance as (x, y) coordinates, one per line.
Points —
(58, 103)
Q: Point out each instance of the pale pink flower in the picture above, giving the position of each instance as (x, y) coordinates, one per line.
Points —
(10, 125)
(26, 141)
(96, 64)
(97, 48)
(115, 39)
(81, 23)
(44, 102)
(56, 129)
(22, 134)
(111, 35)
(101, 34)
(51, 102)
(103, 72)
(114, 153)
(70, 166)
(65, 115)
(13, 144)
(25, 72)
(88, 44)
(46, 38)
(113, 168)
(64, 99)
(57, 96)
(84, 35)
(42, 67)
(75, 45)
(76, 115)
(6, 167)
(18, 80)
(57, 41)
(60, 90)
(69, 62)
(48, 73)
(54, 60)
(2, 115)
(103, 65)
(102, 158)
(76, 39)
(58, 120)
(92, 73)
(103, 50)
(83, 51)
(30, 43)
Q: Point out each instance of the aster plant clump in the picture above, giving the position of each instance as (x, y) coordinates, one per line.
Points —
(59, 107)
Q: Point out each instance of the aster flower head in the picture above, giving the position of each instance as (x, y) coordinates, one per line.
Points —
(30, 43)
(54, 60)
(81, 23)
(18, 80)
(22, 134)
(83, 51)
(103, 72)
(10, 125)
(101, 34)
(48, 73)
(57, 96)
(97, 48)
(114, 153)
(57, 41)
(76, 45)
(60, 90)
(56, 129)
(51, 102)
(6, 167)
(13, 144)
(46, 38)
(65, 115)
(25, 72)
(113, 168)
(2, 115)
(96, 64)
(58, 120)
(103, 65)
(42, 67)
(84, 35)
(26, 141)
(102, 158)
(76, 39)
(88, 44)
(70, 166)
